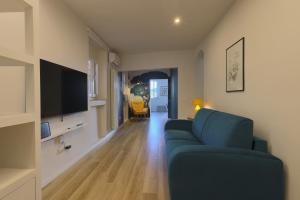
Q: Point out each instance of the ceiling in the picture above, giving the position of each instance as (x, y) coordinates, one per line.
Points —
(135, 26)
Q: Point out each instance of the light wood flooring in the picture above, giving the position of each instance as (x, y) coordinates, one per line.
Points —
(131, 166)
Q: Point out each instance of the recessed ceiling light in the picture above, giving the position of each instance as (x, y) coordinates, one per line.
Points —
(177, 20)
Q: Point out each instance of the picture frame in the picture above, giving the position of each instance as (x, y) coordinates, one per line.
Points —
(235, 67)
(163, 91)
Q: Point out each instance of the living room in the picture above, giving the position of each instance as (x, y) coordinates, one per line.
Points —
(234, 134)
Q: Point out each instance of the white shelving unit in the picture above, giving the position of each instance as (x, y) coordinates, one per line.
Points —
(14, 178)
(19, 167)
(10, 58)
(16, 5)
(12, 120)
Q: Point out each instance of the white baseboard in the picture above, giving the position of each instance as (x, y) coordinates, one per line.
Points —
(100, 143)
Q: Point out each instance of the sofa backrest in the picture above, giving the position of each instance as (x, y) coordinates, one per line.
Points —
(200, 121)
(223, 129)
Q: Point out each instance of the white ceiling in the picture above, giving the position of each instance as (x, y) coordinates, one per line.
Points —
(130, 26)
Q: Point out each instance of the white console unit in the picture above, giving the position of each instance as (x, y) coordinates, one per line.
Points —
(64, 130)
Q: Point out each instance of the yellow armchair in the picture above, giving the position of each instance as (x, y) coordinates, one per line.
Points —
(138, 107)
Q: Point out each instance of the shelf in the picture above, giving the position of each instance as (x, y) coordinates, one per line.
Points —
(64, 130)
(10, 58)
(11, 179)
(95, 103)
(11, 120)
(18, 133)
(15, 5)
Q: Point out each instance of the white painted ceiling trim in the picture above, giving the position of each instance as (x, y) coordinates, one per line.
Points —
(97, 39)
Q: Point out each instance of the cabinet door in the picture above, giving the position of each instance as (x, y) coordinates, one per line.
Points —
(25, 192)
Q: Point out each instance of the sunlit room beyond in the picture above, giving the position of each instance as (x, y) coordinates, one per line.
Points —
(159, 95)
(152, 93)
(149, 100)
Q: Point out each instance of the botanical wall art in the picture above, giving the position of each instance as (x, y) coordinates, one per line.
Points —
(235, 61)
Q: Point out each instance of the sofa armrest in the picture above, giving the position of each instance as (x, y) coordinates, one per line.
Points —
(260, 145)
(211, 173)
(179, 124)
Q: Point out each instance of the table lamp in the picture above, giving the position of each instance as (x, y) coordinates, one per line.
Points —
(197, 103)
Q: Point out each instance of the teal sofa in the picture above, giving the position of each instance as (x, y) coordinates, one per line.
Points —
(216, 157)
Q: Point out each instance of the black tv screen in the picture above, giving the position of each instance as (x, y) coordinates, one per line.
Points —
(63, 90)
(74, 91)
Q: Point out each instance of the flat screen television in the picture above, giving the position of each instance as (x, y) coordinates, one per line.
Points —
(63, 90)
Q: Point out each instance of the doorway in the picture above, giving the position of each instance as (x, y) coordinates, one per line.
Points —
(151, 92)
(120, 99)
(159, 95)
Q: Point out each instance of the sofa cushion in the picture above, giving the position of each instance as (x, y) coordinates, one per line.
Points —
(173, 144)
(179, 135)
(227, 130)
(200, 120)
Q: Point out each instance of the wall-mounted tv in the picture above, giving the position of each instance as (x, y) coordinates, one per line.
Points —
(63, 90)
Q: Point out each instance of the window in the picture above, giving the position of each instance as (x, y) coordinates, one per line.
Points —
(93, 79)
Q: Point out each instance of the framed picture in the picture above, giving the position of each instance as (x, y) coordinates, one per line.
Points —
(235, 65)
(163, 91)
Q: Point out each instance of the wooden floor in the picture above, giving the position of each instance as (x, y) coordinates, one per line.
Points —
(131, 166)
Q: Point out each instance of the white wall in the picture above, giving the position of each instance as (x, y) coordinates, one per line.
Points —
(271, 98)
(189, 78)
(160, 100)
(64, 40)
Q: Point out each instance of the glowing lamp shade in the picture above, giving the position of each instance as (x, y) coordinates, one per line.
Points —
(197, 103)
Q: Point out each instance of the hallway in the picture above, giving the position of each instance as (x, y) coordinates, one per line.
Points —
(130, 166)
